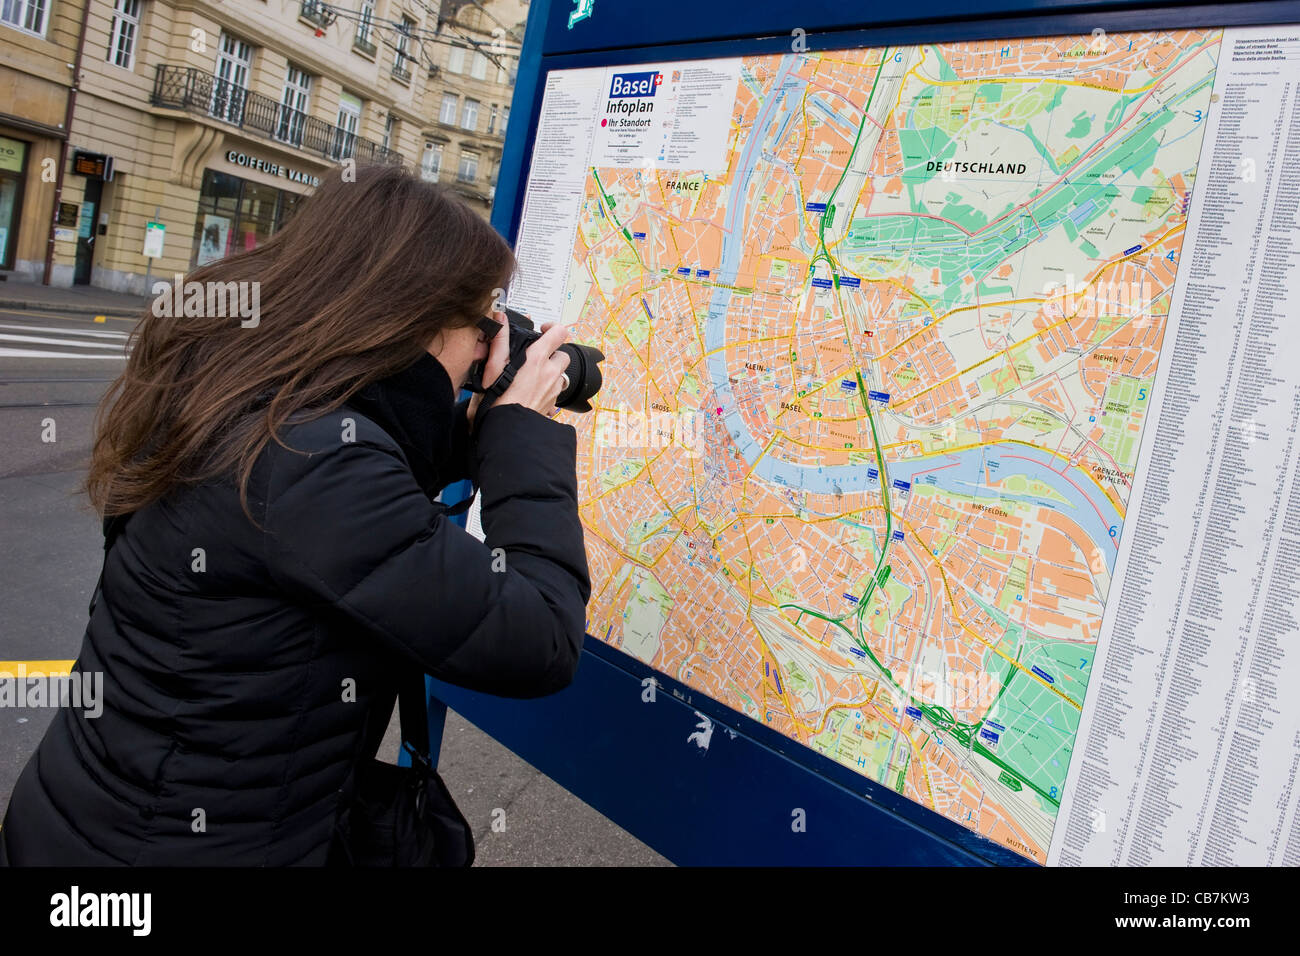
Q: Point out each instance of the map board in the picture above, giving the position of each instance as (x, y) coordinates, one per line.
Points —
(889, 333)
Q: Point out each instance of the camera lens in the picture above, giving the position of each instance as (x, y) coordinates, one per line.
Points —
(584, 377)
(583, 370)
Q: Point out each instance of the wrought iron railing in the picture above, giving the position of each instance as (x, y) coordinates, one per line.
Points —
(193, 90)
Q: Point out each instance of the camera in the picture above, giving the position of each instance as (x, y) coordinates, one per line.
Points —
(583, 370)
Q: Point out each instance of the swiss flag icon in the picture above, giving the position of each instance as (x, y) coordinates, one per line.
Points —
(659, 78)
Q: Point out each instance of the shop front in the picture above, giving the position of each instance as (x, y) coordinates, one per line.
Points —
(239, 212)
(13, 183)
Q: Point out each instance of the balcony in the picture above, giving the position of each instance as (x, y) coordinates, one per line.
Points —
(401, 72)
(194, 91)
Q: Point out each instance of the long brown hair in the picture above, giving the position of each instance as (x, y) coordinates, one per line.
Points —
(354, 288)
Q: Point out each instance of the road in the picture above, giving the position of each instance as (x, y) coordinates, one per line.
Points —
(54, 368)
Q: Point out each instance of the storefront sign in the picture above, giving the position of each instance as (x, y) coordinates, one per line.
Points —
(94, 165)
(12, 152)
(271, 169)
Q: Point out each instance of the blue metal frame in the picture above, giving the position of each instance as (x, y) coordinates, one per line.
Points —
(736, 802)
(619, 25)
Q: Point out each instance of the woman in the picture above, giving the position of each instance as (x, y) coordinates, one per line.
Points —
(284, 561)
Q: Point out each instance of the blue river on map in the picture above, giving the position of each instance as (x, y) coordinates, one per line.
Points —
(966, 472)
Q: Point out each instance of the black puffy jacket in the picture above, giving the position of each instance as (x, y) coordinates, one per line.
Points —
(246, 671)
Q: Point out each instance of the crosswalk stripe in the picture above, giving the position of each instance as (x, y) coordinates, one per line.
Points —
(36, 353)
(64, 330)
(70, 343)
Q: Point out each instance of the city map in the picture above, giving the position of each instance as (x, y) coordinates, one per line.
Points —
(874, 391)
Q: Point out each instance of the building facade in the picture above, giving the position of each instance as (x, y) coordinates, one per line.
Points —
(470, 95)
(199, 125)
(37, 44)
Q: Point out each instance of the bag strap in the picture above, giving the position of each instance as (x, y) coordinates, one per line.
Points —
(462, 506)
(495, 390)
(413, 715)
(113, 525)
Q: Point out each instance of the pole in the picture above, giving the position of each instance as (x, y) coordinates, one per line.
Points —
(148, 260)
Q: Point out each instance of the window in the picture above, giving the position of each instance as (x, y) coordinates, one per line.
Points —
(468, 170)
(469, 114)
(365, 24)
(505, 118)
(402, 58)
(13, 179)
(316, 12)
(502, 75)
(121, 39)
(294, 106)
(456, 60)
(345, 135)
(230, 88)
(29, 15)
(390, 132)
(236, 215)
(448, 112)
(479, 69)
(431, 164)
(492, 119)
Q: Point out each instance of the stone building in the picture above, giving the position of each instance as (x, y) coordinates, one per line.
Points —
(470, 95)
(212, 118)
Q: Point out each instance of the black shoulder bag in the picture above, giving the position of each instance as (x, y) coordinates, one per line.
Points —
(399, 816)
(404, 816)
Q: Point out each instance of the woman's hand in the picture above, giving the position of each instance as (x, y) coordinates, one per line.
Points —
(541, 379)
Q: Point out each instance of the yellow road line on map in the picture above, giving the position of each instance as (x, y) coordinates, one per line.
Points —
(1055, 325)
(617, 549)
(965, 308)
(777, 435)
(1045, 80)
(952, 605)
(648, 462)
(847, 705)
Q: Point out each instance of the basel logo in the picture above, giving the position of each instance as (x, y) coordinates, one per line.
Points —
(634, 84)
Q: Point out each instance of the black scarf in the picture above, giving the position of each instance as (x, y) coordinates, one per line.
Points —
(417, 407)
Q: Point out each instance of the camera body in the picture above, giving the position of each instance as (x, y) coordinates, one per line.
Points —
(583, 371)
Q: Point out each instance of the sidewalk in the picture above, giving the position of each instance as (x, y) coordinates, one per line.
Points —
(80, 300)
